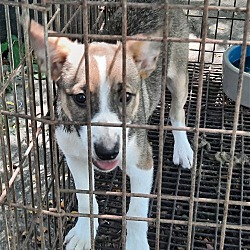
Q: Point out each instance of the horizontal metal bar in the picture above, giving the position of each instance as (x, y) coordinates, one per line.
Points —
(164, 197)
(158, 39)
(151, 196)
(27, 5)
(52, 212)
(151, 5)
(139, 126)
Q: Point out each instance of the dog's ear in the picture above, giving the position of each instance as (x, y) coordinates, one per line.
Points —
(58, 49)
(145, 54)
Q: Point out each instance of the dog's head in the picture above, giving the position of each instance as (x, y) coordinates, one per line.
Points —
(67, 65)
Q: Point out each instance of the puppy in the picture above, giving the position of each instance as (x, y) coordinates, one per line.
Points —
(143, 90)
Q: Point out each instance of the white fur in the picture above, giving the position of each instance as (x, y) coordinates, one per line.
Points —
(79, 237)
(76, 157)
(69, 142)
(141, 182)
(183, 153)
(75, 150)
(108, 135)
(75, 147)
(104, 86)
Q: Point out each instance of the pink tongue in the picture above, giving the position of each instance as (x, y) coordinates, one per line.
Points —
(106, 165)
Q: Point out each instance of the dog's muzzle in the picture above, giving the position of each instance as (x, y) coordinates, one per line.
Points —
(106, 157)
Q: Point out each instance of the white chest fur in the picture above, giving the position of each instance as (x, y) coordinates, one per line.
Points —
(70, 143)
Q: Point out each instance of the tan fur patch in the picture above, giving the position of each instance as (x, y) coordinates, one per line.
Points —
(113, 55)
(65, 107)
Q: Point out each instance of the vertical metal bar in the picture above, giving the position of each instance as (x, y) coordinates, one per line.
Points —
(13, 212)
(35, 11)
(52, 117)
(124, 145)
(25, 107)
(90, 167)
(197, 122)
(34, 166)
(13, 63)
(70, 14)
(44, 150)
(9, 38)
(52, 165)
(29, 110)
(53, 159)
(174, 210)
(55, 149)
(6, 227)
(34, 127)
(199, 172)
(232, 21)
(219, 176)
(235, 124)
(50, 10)
(21, 54)
(216, 31)
(65, 18)
(4, 162)
(242, 181)
(161, 125)
(65, 14)
(52, 143)
(80, 20)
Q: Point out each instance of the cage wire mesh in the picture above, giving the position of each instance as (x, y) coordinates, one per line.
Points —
(207, 207)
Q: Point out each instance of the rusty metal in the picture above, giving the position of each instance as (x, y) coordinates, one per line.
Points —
(235, 124)
(197, 122)
(90, 167)
(209, 208)
(124, 125)
(170, 39)
(161, 130)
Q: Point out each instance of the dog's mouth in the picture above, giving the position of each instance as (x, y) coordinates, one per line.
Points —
(105, 165)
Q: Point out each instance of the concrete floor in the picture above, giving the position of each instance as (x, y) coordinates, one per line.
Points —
(220, 26)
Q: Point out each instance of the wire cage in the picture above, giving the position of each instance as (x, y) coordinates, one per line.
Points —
(207, 207)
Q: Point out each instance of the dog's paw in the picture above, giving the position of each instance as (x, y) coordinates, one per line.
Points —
(135, 243)
(78, 238)
(183, 153)
(137, 235)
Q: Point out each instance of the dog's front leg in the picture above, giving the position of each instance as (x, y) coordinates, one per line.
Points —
(141, 182)
(79, 237)
(178, 85)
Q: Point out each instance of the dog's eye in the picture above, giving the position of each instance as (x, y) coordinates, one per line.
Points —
(80, 99)
(128, 97)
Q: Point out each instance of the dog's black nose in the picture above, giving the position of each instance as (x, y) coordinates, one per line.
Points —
(106, 154)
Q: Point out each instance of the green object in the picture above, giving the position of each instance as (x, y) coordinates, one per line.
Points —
(16, 50)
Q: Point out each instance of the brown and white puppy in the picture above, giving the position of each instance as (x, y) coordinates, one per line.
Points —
(143, 89)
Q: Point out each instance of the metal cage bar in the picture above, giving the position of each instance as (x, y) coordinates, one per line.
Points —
(206, 209)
